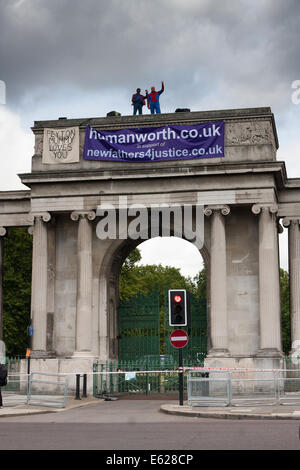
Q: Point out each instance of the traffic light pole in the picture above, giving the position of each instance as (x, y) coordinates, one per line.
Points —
(180, 377)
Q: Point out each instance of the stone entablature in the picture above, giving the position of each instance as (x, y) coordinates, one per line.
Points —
(15, 207)
(246, 132)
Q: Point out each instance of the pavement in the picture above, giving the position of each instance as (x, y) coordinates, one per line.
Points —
(229, 412)
(234, 412)
(23, 410)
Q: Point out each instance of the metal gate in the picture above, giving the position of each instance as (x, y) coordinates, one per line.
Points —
(196, 349)
(139, 329)
(144, 331)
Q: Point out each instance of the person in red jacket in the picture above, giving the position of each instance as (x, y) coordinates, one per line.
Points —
(153, 99)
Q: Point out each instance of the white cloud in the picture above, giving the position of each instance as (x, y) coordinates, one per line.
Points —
(16, 150)
(283, 250)
(172, 251)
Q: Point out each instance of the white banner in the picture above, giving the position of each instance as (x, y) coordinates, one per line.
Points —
(61, 145)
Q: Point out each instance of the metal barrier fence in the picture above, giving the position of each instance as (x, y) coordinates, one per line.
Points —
(135, 382)
(153, 374)
(201, 393)
(27, 389)
(42, 392)
(243, 387)
(205, 387)
(15, 392)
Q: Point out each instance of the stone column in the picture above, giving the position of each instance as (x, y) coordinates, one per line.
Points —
(39, 283)
(218, 291)
(83, 341)
(269, 280)
(294, 274)
(2, 233)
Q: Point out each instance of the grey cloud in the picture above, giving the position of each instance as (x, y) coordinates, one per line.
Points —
(206, 51)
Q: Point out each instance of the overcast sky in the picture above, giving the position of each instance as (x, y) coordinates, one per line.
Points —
(79, 58)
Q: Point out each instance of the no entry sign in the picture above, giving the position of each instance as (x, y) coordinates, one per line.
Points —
(179, 338)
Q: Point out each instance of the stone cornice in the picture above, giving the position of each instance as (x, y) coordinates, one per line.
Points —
(162, 119)
(156, 170)
(12, 195)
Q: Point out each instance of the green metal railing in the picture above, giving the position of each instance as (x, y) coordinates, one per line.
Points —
(149, 375)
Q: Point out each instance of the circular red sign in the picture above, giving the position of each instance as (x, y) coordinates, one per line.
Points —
(179, 338)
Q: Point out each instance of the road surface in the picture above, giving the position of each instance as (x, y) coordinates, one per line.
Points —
(139, 425)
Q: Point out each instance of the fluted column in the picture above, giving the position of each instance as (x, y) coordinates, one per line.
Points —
(2, 233)
(83, 340)
(39, 283)
(293, 225)
(269, 280)
(218, 282)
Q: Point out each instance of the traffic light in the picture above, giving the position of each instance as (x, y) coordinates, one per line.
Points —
(178, 307)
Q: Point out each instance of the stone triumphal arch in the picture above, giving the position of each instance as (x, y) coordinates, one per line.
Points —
(246, 198)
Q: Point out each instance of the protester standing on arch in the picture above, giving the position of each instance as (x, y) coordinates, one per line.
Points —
(153, 99)
(138, 101)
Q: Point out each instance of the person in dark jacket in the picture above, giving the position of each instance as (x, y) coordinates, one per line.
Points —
(138, 101)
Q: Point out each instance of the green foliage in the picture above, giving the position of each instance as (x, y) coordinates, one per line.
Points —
(285, 311)
(16, 290)
(135, 278)
(142, 279)
(200, 284)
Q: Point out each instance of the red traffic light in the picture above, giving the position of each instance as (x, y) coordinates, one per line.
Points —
(178, 307)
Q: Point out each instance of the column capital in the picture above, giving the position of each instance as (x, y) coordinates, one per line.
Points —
(263, 208)
(34, 216)
(287, 221)
(2, 231)
(44, 216)
(76, 215)
(223, 209)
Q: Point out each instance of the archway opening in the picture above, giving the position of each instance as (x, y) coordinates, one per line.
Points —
(148, 272)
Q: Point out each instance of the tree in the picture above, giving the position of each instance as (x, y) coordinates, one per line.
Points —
(135, 278)
(285, 311)
(200, 284)
(16, 290)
